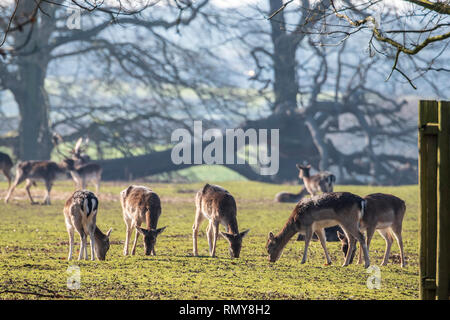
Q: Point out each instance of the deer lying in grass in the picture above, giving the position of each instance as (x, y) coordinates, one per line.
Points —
(140, 204)
(384, 213)
(80, 213)
(31, 171)
(321, 182)
(313, 215)
(5, 166)
(219, 207)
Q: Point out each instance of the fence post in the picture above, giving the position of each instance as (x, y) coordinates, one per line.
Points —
(443, 214)
(428, 129)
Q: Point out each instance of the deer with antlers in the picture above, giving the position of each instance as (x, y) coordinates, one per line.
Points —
(82, 171)
(384, 213)
(140, 204)
(316, 213)
(5, 166)
(80, 213)
(32, 171)
(219, 207)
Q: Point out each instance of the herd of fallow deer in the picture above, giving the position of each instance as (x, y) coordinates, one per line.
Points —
(376, 212)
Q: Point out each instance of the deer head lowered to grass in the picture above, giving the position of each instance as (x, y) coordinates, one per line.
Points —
(219, 207)
(140, 204)
(316, 213)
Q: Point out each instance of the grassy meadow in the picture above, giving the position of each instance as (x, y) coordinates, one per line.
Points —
(34, 249)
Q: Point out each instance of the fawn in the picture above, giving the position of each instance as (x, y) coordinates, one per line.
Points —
(316, 213)
(80, 213)
(384, 213)
(219, 207)
(141, 204)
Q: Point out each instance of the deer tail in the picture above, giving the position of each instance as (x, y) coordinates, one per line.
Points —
(363, 208)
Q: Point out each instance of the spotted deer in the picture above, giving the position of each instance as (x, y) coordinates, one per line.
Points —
(5, 166)
(140, 204)
(316, 213)
(219, 207)
(32, 171)
(80, 213)
(384, 213)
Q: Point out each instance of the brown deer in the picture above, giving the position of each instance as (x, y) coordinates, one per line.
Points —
(219, 207)
(45, 170)
(140, 204)
(83, 170)
(316, 213)
(5, 166)
(321, 182)
(384, 213)
(80, 213)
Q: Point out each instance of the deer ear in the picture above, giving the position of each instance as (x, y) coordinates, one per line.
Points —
(109, 232)
(142, 231)
(158, 231)
(244, 233)
(227, 236)
(271, 236)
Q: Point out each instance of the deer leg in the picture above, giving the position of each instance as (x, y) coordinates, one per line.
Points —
(17, 181)
(197, 221)
(356, 233)
(397, 231)
(209, 236)
(388, 239)
(133, 249)
(82, 245)
(48, 186)
(308, 236)
(127, 237)
(70, 232)
(321, 235)
(27, 187)
(215, 234)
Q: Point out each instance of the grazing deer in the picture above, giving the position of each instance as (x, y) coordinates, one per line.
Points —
(5, 166)
(140, 204)
(323, 181)
(384, 213)
(31, 171)
(316, 213)
(218, 206)
(80, 213)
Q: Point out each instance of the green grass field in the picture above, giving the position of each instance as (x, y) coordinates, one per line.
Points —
(34, 248)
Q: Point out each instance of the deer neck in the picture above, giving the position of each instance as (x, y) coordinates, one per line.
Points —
(232, 226)
(288, 231)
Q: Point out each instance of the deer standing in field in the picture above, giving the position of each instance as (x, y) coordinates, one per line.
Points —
(45, 170)
(83, 171)
(140, 204)
(80, 213)
(316, 213)
(219, 207)
(5, 166)
(321, 182)
(384, 213)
